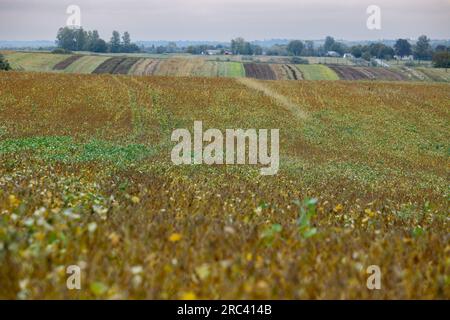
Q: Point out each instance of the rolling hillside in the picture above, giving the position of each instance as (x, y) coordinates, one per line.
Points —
(265, 68)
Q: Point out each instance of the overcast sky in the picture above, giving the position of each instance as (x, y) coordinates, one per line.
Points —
(225, 19)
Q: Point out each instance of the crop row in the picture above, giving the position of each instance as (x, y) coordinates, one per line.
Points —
(200, 66)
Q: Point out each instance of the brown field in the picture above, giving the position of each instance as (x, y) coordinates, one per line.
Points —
(65, 63)
(259, 71)
(144, 67)
(286, 72)
(109, 65)
(349, 73)
(366, 73)
(125, 66)
(383, 74)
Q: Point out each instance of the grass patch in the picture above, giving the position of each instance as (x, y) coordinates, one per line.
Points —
(317, 72)
(33, 61)
(231, 69)
(86, 64)
(66, 149)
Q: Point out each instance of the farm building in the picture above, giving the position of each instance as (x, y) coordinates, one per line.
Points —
(404, 58)
(332, 54)
(212, 52)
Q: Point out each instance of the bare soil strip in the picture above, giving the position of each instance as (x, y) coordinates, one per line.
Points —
(109, 65)
(125, 66)
(259, 71)
(144, 67)
(366, 73)
(349, 73)
(67, 62)
(284, 101)
(286, 72)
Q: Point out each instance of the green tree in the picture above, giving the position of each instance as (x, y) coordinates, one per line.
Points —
(329, 43)
(100, 46)
(4, 65)
(441, 59)
(91, 38)
(80, 39)
(66, 38)
(114, 44)
(339, 47)
(238, 46)
(380, 51)
(441, 47)
(257, 50)
(357, 51)
(422, 49)
(402, 48)
(295, 47)
(309, 50)
(126, 42)
(172, 47)
(366, 56)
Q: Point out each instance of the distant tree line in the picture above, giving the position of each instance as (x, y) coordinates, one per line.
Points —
(422, 50)
(77, 39)
(242, 47)
(238, 46)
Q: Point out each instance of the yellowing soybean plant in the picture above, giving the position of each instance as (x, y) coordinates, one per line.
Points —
(86, 179)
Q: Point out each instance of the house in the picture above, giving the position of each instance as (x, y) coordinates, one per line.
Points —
(348, 56)
(332, 54)
(404, 58)
(212, 52)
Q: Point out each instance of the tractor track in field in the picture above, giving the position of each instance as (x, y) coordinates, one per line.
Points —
(280, 99)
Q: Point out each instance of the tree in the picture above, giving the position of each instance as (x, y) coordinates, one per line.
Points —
(277, 50)
(247, 49)
(402, 48)
(339, 48)
(238, 46)
(91, 40)
(100, 46)
(80, 39)
(309, 48)
(441, 59)
(66, 38)
(380, 50)
(329, 43)
(126, 42)
(114, 44)
(422, 50)
(357, 51)
(4, 65)
(172, 47)
(257, 50)
(441, 47)
(295, 47)
(72, 39)
(366, 56)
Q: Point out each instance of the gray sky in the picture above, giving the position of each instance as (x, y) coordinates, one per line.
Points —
(225, 19)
